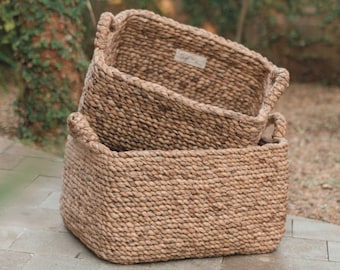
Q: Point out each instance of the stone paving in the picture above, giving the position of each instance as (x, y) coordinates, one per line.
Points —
(33, 237)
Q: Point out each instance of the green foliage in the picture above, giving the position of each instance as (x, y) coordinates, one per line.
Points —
(7, 33)
(302, 31)
(293, 10)
(142, 4)
(45, 101)
(222, 14)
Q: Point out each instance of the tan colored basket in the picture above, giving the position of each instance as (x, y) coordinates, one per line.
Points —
(154, 205)
(157, 84)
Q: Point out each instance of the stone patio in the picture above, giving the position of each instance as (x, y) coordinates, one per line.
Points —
(33, 237)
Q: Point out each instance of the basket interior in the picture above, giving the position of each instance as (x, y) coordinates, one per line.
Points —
(145, 48)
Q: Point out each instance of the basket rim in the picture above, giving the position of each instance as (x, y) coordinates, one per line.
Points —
(150, 15)
(99, 148)
(261, 118)
(82, 133)
(267, 104)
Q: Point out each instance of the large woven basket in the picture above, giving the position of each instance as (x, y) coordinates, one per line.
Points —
(156, 83)
(155, 205)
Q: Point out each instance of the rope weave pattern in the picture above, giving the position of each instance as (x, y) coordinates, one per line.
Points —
(160, 103)
(162, 161)
(152, 205)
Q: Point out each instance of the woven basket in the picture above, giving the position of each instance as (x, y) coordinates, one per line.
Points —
(172, 86)
(154, 205)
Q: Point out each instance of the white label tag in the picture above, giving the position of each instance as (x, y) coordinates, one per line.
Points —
(190, 58)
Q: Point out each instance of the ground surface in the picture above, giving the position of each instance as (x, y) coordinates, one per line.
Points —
(313, 114)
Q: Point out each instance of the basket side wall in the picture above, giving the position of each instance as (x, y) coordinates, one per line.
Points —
(144, 45)
(128, 115)
(141, 207)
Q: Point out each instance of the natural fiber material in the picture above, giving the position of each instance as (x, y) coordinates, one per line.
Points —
(157, 84)
(154, 205)
(163, 160)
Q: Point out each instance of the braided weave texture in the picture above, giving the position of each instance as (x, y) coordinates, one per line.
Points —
(140, 206)
(161, 103)
(163, 160)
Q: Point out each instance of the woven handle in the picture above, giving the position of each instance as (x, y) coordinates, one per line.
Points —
(79, 128)
(280, 81)
(105, 26)
(280, 125)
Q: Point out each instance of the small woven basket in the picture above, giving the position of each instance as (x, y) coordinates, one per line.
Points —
(155, 205)
(154, 83)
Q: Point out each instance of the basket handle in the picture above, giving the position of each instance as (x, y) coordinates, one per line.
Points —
(280, 125)
(80, 129)
(279, 82)
(105, 26)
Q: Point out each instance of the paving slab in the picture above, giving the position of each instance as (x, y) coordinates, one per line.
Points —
(56, 262)
(241, 262)
(31, 197)
(44, 242)
(303, 228)
(12, 182)
(11, 260)
(302, 249)
(8, 162)
(193, 264)
(47, 182)
(52, 201)
(8, 235)
(19, 149)
(298, 264)
(41, 166)
(31, 218)
(334, 251)
(5, 144)
(42, 192)
(267, 262)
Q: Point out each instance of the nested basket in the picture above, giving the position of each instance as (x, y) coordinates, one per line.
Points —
(156, 205)
(158, 83)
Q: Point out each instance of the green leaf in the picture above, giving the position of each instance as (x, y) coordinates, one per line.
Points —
(9, 25)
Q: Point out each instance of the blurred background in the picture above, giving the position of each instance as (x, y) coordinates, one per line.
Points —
(301, 35)
(46, 46)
